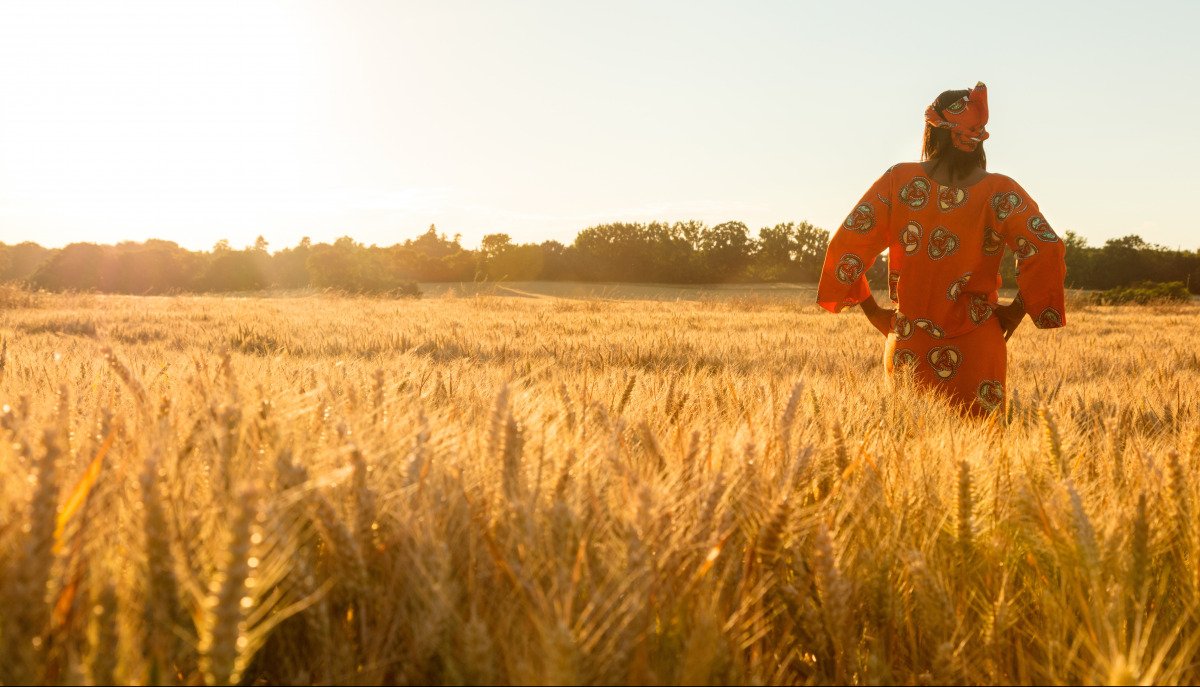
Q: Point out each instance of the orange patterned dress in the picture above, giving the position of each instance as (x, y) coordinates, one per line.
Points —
(944, 245)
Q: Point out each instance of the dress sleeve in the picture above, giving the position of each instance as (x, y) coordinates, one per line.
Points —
(1041, 256)
(854, 247)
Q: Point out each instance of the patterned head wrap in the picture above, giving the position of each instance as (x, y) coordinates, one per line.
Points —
(965, 118)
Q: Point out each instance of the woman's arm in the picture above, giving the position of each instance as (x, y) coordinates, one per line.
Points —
(853, 249)
(1010, 315)
(880, 317)
(1041, 268)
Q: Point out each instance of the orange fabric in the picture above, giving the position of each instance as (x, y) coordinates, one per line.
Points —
(944, 245)
(969, 369)
(965, 118)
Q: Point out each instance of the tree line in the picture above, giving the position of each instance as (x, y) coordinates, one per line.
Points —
(657, 252)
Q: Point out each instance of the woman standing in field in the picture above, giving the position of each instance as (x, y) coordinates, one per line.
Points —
(945, 222)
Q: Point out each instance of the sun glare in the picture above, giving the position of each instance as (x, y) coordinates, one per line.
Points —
(156, 116)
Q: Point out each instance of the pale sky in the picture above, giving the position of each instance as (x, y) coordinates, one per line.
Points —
(200, 121)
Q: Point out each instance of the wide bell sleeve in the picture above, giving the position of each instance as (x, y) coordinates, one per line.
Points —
(1041, 256)
(854, 246)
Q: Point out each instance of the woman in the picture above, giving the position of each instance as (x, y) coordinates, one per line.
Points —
(945, 222)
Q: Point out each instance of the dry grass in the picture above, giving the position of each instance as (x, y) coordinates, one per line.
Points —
(479, 489)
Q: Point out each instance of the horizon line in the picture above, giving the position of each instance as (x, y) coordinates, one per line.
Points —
(456, 237)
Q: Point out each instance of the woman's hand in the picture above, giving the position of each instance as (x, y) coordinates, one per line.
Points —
(1010, 316)
(881, 318)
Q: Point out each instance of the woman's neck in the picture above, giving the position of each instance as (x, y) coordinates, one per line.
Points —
(941, 174)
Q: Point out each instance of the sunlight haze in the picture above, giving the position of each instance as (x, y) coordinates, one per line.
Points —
(227, 120)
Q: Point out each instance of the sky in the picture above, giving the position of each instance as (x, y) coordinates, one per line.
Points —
(196, 122)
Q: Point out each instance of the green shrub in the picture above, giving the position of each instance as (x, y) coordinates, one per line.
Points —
(1149, 292)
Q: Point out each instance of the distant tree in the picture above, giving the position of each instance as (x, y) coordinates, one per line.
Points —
(1078, 258)
(459, 265)
(261, 257)
(433, 244)
(1122, 261)
(22, 260)
(608, 253)
(79, 267)
(634, 252)
(1132, 242)
(493, 245)
(522, 262)
(433, 257)
(691, 232)
(809, 250)
(349, 266)
(790, 252)
(335, 266)
(558, 262)
(502, 260)
(681, 252)
(154, 267)
(725, 252)
(289, 267)
(231, 270)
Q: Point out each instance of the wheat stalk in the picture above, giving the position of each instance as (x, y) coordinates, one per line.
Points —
(434, 500)
(223, 632)
(966, 506)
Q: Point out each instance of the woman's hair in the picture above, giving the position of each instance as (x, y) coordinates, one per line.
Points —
(938, 148)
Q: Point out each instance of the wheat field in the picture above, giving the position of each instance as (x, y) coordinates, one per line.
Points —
(524, 488)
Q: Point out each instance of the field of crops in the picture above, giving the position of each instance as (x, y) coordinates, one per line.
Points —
(518, 486)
